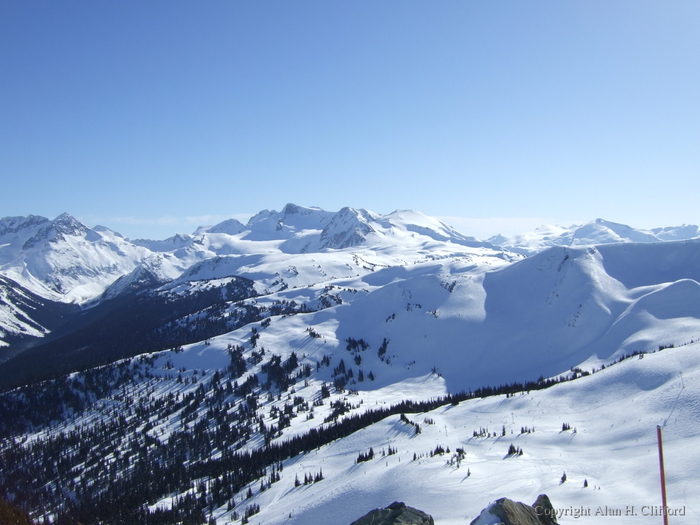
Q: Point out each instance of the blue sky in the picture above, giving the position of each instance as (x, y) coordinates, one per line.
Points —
(154, 117)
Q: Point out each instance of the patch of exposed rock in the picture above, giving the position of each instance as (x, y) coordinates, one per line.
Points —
(395, 514)
(511, 512)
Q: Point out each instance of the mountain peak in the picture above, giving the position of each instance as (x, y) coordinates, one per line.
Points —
(260, 216)
(295, 209)
(9, 225)
(348, 227)
(229, 226)
(68, 225)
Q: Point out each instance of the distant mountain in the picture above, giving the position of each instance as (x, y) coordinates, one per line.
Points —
(153, 271)
(298, 229)
(62, 259)
(304, 259)
(596, 232)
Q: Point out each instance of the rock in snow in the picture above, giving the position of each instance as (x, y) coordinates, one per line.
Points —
(398, 513)
(508, 512)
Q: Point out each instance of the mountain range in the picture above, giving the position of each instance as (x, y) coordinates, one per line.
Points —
(64, 261)
(595, 232)
(235, 331)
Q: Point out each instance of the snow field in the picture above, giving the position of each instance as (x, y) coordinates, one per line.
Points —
(613, 448)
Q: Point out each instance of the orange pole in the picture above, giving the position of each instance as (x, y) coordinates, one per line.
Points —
(663, 475)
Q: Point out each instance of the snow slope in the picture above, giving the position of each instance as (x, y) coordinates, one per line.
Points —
(476, 319)
(611, 447)
(608, 453)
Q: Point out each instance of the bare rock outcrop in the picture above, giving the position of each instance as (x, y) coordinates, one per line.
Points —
(397, 513)
(516, 513)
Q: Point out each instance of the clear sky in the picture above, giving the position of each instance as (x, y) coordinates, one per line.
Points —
(155, 117)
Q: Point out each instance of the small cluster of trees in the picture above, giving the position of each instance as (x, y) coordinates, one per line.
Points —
(313, 333)
(416, 426)
(365, 456)
(382, 348)
(439, 451)
(356, 345)
(250, 511)
(309, 478)
(457, 457)
(514, 451)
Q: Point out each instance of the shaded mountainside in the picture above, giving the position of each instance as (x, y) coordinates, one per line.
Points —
(131, 324)
(26, 317)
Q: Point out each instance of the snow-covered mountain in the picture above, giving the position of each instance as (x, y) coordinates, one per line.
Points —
(151, 272)
(477, 319)
(297, 230)
(172, 422)
(242, 359)
(596, 232)
(62, 259)
(309, 249)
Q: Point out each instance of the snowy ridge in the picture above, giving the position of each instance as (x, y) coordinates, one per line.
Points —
(593, 233)
(152, 271)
